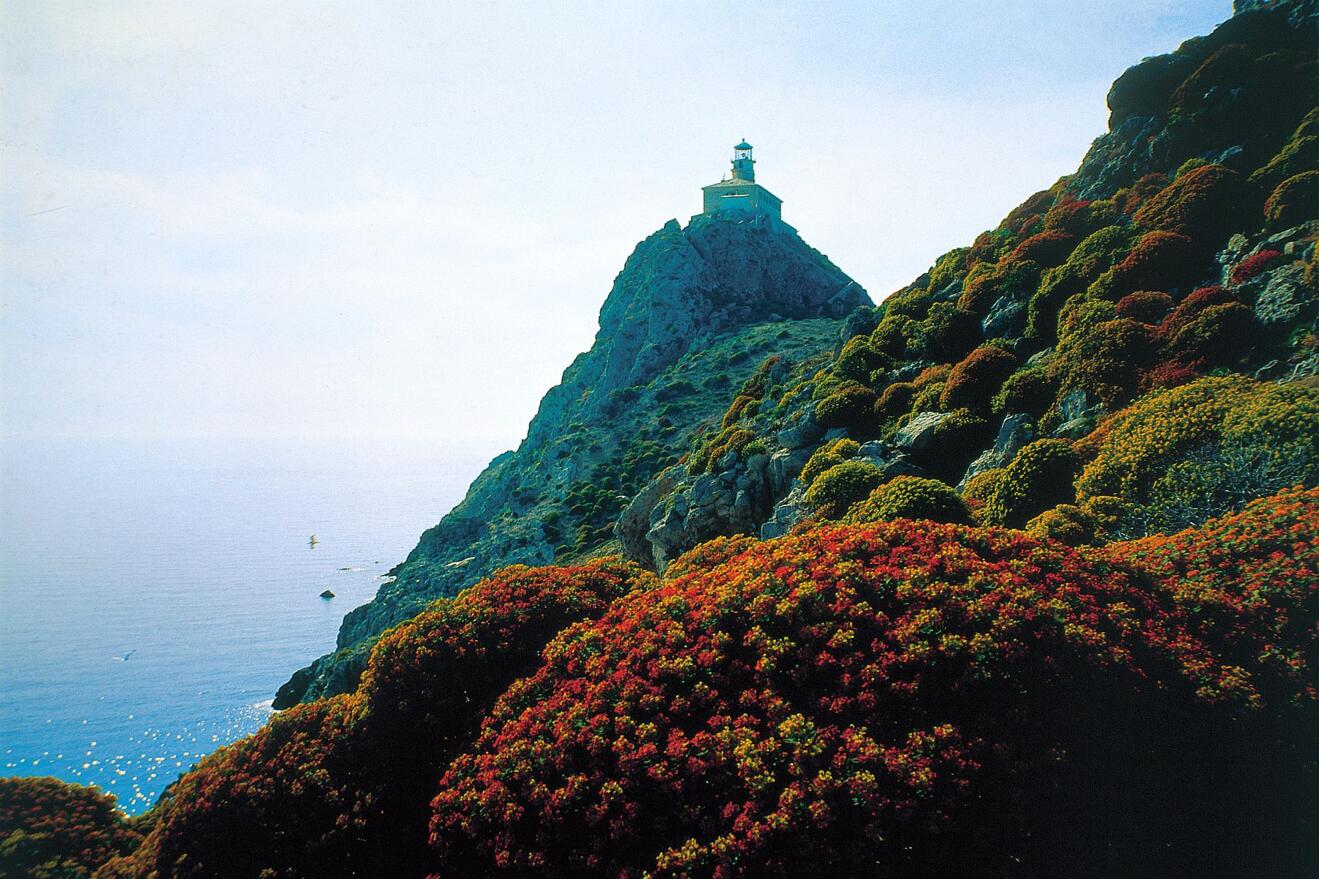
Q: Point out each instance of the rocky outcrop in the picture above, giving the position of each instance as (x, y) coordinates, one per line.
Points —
(693, 312)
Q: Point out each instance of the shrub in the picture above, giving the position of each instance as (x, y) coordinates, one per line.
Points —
(1294, 201)
(1299, 154)
(1226, 67)
(1008, 277)
(947, 333)
(1093, 256)
(841, 486)
(1252, 265)
(857, 694)
(1031, 390)
(1221, 334)
(729, 439)
(910, 497)
(957, 440)
(707, 555)
(1103, 359)
(850, 406)
(1048, 249)
(1159, 261)
(1039, 477)
(1029, 212)
(1142, 443)
(1065, 523)
(1080, 218)
(892, 334)
(1146, 306)
(338, 787)
(826, 456)
(53, 830)
(974, 380)
(948, 268)
(1206, 205)
(895, 400)
(858, 360)
(1190, 307)
(979, 489)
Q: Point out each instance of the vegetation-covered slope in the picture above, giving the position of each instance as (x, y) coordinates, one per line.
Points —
(1015, 574)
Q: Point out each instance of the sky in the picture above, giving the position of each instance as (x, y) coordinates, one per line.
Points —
(336, 220)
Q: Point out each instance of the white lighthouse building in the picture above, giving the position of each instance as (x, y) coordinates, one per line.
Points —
(741, 194)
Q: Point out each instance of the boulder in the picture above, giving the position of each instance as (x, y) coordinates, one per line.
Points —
(918, 434)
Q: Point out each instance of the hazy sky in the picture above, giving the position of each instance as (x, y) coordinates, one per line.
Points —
(344, 218)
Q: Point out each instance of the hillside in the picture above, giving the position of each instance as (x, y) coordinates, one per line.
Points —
(1013, 574)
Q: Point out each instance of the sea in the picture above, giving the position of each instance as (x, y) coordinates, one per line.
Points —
(155, 594)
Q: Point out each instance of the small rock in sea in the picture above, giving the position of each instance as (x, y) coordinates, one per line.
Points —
(327, 594)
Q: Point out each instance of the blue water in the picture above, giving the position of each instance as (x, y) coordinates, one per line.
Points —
(154, 596)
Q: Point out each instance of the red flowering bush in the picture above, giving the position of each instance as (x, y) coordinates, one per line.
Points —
(1254, 264)
(1048, 249)
(884, 700)
(1146, 306)
(338, 787)
(1159, 261)
(974, 380)
(1206, 205)
(53, 830)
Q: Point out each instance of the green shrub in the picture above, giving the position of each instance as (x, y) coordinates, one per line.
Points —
(910, 497)
(1104, 358)
(895, 400)
(826, 456)
(1030, 390)
(957, 440)
(979, 489)
(835, 490)
(1039, 477)
(947, 333)
(850, 406)
(858, 360)
(1160, 260)
(1007, 277)
(1064, 523)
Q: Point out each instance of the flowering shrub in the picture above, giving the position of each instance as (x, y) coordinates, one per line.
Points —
(708, 555)
(947, 333)
(841, 486)
(1065, 523)
(910, 497)
(1206, 205)
(1300, 153)
(1093, 256)
(1146, 306)
(1039, 477)
(895, 400)
(338, 787)
(1294, 201)
(1159, 261)
(1079, 218)
(1219, 335)
(53, 830)
(1008, 276)
(1048, 249)
(1141, 443)
(974, 380)
(1254, 264)
(853, 699)
(1103, 359)
(826, 456)
(858, 361)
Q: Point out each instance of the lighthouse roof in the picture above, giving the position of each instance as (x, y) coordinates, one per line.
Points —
(743, 146)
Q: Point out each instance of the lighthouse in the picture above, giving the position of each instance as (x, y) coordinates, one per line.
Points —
(741, 197)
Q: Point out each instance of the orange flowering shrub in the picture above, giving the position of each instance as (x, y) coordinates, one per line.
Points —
(338, 787)
(53, 830)
(895, 400)
(1048, 249)
(974, 381)
(1146, 306)
(854, 698)
(1206, 205)
(1294, 201)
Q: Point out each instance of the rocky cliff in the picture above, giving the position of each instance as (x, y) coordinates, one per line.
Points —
(692, 315)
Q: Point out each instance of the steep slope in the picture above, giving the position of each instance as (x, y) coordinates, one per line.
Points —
(1183, 247)
(693, 313)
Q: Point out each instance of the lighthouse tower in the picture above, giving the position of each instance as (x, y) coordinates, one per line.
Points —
(741, 197)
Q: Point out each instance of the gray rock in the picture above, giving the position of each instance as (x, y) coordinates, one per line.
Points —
(1006, 319)
(918, 434)
(801, 434)
(784, 466)
(1015, 432)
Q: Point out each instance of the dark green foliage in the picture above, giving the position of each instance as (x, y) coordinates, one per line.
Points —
(593, 505)
(1039, 477)
(957, 440)
(835, 490)
(947, 333)
(1105, 358)
(859, 361)
(1092, 257)
(1031, 390)
(850, 406)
